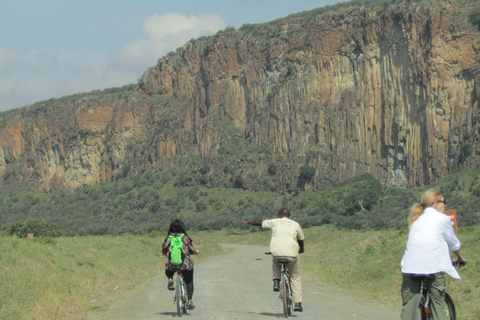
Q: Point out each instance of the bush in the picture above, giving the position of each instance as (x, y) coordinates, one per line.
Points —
(37, 226)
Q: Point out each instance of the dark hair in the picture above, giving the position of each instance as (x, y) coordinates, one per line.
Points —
(177, 226)
(284, 212)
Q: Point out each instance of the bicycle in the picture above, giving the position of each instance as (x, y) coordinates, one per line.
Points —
(421, 309)
(180, 295)
(286, 294)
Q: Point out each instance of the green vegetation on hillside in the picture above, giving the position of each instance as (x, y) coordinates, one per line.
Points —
(140, 204)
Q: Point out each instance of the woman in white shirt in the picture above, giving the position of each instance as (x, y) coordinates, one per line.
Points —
(430, 240)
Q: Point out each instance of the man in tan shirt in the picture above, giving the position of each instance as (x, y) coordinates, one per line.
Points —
(286, 243)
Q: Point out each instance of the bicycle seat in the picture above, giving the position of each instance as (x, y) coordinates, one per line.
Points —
(282, 261)
(177, 269)
(422, 276)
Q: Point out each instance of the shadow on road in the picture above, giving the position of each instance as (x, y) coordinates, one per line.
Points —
(173, 314)
(265, 314)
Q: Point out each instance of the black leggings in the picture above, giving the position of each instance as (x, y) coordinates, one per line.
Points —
(188, 277)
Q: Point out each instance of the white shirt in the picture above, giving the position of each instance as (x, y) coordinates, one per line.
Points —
(429, 242)
(285, 236)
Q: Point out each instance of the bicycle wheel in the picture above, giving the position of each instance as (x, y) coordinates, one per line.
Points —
(178, 295)
(418, 312)
(284, 290)
(289, 298)
(450, 313)
(184, 297)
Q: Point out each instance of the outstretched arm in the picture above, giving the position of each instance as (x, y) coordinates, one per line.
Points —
(257, 223)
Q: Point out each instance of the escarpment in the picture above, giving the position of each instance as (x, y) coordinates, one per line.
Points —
(300, 102)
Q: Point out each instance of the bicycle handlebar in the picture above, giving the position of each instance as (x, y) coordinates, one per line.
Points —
(459, 264)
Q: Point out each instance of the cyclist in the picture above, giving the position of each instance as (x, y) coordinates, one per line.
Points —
(430, 239)
(177, 228)
(286, 243)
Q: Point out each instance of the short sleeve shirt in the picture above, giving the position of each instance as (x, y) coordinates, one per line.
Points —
(285, 236)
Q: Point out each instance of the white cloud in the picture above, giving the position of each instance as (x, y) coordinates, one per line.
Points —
(166, 33)
(172, 23)
(31, 76)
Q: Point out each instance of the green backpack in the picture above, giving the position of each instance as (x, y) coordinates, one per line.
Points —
(177, 254)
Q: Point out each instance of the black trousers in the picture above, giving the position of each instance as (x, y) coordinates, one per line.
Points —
(188, 277)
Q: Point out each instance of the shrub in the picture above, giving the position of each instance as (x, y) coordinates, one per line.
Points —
(306, 175)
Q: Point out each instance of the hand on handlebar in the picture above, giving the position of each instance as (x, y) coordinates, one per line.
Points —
(460, 263)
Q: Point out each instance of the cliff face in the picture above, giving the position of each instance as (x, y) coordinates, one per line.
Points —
(344, 91)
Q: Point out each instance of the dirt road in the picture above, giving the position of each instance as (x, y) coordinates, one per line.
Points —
(239, 286)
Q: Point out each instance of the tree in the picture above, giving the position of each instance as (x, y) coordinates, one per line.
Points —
(305, 176)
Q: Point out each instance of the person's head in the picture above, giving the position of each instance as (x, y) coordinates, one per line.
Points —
(177, 226)
(284, 212)
(431, 198)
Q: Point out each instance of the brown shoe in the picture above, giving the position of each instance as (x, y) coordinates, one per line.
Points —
(170, 285)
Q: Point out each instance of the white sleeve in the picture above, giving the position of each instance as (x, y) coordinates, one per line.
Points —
(300, 235)
(267, 224)
(449, 234)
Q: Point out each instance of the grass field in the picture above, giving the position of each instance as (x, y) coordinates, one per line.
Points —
(61, 278)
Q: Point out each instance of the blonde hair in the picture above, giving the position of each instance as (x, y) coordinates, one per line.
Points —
(427, 200)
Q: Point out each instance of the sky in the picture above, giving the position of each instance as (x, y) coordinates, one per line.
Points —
(49, 49)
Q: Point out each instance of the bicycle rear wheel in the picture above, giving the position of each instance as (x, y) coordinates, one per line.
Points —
(178, 296)
(289, 298)
(418, 312)
(284, 290)
(450, 313)
(184, 297)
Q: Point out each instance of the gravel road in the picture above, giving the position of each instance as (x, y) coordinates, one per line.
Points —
(239, 286)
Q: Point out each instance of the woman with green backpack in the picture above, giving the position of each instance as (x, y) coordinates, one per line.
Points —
(178, 248)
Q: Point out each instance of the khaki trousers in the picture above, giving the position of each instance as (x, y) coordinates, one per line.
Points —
(436, 290)
(294, 272)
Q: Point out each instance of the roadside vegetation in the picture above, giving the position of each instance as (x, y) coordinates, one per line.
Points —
(66, 277)
(61, 278)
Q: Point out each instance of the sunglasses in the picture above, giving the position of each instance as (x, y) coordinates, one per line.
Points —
(444, 201)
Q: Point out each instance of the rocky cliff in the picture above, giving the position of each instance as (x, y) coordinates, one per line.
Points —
(392, 90)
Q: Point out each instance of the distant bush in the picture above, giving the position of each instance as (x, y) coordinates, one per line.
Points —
(37, 226)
